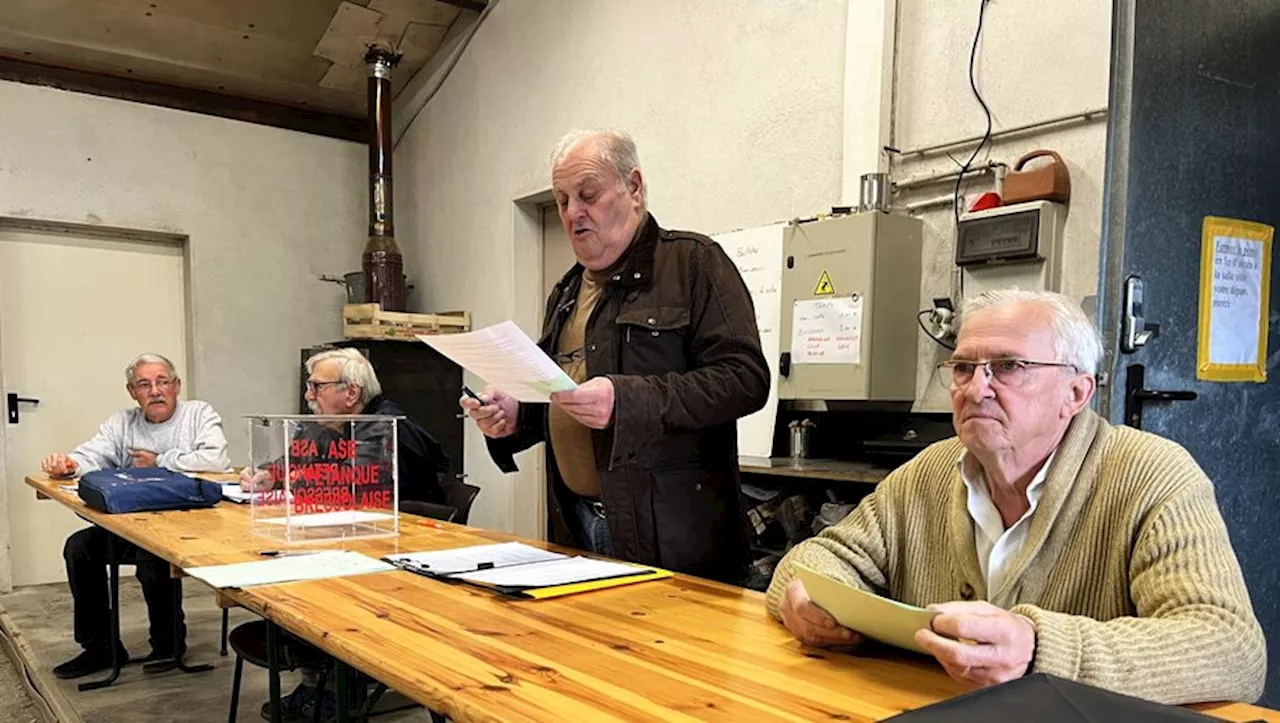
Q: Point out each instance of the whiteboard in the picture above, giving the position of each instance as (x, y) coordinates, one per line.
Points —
(757, 252)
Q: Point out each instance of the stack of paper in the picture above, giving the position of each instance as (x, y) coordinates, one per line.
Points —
(507, 358)
(517, 569)
(471, 559)
(289, 568)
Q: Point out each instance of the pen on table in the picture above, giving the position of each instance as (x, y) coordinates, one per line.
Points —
(288, 553)
(432, 523)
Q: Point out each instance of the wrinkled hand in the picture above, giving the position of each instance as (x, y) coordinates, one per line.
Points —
(499, 414)
(591, 404)
(142, 458)
(811, 624)
(58, 464)
(998, 645)
(254, 480)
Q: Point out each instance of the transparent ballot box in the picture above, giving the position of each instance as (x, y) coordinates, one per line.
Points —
(321, 478)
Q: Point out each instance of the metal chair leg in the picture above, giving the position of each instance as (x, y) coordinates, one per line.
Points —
(318, 708)
(235, 690)
(273, 669)
(226, 616)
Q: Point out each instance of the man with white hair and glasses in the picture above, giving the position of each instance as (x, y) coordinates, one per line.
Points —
(162, 431)
(1047, 540)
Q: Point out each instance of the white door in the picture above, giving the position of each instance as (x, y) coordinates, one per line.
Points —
(529, 512)
(73, 313)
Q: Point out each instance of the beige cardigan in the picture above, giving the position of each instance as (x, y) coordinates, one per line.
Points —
(1127, 572)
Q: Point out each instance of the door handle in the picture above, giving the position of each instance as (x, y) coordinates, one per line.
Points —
(13, 400)
(1136, 395)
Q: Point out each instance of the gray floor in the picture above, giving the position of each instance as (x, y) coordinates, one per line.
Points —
(43, 614)
(15, 706)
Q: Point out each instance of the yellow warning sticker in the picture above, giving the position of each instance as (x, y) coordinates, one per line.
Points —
(824, 287)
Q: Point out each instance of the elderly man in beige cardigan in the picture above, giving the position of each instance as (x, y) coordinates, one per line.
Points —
(1048, 540)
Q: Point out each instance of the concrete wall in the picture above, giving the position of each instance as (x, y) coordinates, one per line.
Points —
(265, 210)
(736, 107)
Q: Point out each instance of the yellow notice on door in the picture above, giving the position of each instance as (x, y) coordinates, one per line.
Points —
(824, 287)
(1235, 300)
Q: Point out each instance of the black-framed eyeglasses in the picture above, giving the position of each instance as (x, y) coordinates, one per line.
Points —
(146, 385)
(569, 357)
(315, 387)
(1009, 373)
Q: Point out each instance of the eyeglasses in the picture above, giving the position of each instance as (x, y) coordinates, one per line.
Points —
(1008, 373)
(146, 385)
(315, 387)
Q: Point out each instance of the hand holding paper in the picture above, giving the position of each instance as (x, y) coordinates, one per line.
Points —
(978, 643)
(591, 404)
(496, 412)
(811, 624)
(878, 618)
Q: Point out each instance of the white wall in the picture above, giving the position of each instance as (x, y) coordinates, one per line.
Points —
(735, 106)
(1036, 61)
(738, 109)
(266, 210)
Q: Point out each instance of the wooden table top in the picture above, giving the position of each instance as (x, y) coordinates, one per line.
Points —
(676, 649)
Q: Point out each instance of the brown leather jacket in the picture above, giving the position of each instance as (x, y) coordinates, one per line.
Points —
(675, 330)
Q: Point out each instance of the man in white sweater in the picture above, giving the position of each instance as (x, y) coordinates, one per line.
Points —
(162, 431)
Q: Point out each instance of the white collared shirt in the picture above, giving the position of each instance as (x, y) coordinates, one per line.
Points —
(997, 547)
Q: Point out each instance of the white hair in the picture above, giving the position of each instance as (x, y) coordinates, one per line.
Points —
(148, 358)
(616, 148)
(1076, 340)
(353, 368)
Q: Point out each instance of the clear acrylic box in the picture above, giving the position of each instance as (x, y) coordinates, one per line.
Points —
(323, 478)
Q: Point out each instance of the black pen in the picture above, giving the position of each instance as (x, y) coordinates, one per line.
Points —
(467, 391)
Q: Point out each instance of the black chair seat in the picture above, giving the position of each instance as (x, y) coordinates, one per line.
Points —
(249, 640)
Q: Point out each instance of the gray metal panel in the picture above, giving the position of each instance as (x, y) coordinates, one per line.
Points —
(1195, 131)
(897, 296)
(872, 254)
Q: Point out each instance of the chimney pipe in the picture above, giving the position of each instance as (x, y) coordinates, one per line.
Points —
(382, 263)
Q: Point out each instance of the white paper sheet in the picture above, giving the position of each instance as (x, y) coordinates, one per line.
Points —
(505, 357)
(290, 568)
(463, 559)
(556, 572)
(232, 492)
(827, 331)
(329, 519)
(1237, 301)
(757, 252)
(876, 617)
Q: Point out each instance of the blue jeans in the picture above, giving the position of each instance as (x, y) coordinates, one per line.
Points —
(595, 528)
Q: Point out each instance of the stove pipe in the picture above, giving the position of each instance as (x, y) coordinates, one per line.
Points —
(382, 263)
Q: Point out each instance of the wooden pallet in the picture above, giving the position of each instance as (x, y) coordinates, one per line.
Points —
(369, 321)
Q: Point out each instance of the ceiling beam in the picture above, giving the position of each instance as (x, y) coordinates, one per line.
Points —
(249, 110)
(472, 5)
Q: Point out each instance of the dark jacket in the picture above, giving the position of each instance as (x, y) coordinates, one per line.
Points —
(675, 331)
(423, 462)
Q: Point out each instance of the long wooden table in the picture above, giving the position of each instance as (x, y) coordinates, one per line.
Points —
(677, 649)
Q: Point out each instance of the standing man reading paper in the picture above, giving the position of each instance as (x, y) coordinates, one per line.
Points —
(659, 331)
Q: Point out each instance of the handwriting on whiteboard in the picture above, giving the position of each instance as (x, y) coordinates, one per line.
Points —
(757, 252)
(827, 331)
